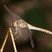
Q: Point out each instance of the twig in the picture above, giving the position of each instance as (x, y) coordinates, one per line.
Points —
(2, 48)
(15, 49)
(39, 29)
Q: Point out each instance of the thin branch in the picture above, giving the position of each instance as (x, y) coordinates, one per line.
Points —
(15, 49)
(39, 29)
(2, 48)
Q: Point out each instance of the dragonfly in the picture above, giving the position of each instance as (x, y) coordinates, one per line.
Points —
(21, 30)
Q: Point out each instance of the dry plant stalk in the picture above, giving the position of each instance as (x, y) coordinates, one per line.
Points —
(12, 37)
(2, 48)
(39, 29)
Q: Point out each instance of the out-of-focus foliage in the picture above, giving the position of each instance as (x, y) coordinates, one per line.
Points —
(37, 17)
